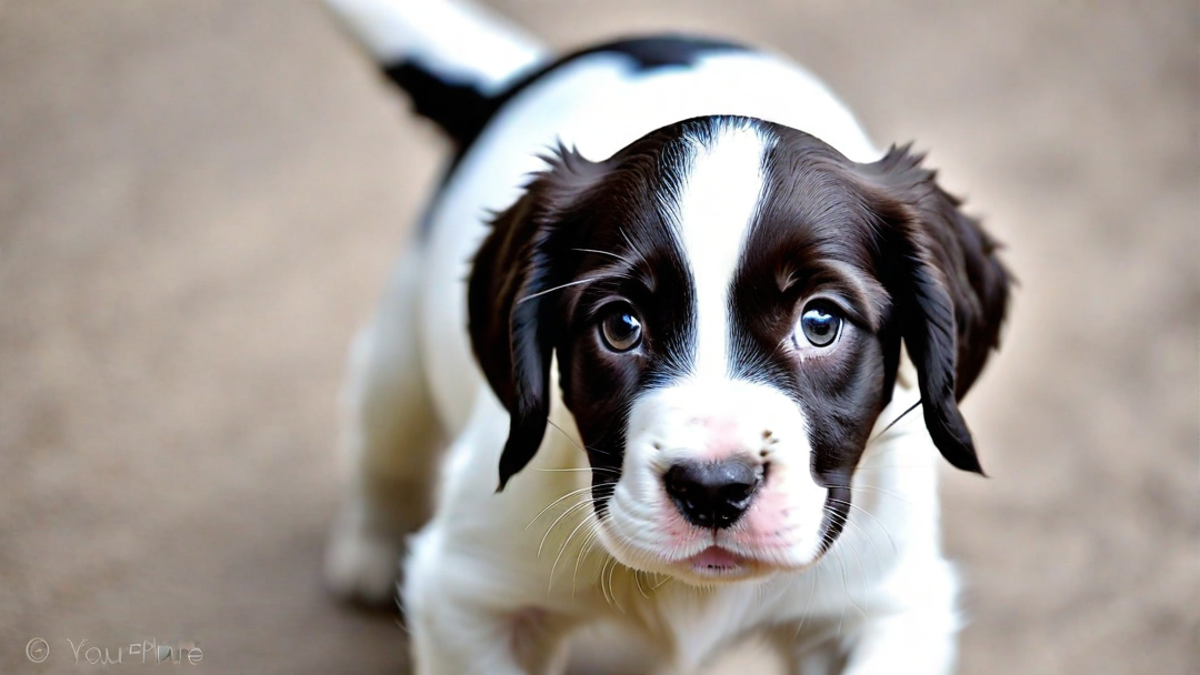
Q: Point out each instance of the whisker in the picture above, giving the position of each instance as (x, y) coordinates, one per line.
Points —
(552, 504)
(627, 239)
(841, 620)
(585, 549)
(812, 592)
(898, 418)
(872, 517)
(577, 282)
(893, 466)
(761, 592)
(603, 590)
(845, 582)
(611, 588)
(883, 491)
(572, 440)
(637, 578)
(561, 549)
(791, 578)
(578, 469)
(845, 590)
(623, 259)
(861, 569)
(858, 527)
(875, 454)
(573, 509)
(565, 435)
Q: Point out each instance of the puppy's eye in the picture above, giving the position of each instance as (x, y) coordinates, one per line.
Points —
(621, 329)
(820, 324)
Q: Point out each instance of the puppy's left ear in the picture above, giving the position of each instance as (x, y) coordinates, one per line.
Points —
(514, 318)
(950, 290)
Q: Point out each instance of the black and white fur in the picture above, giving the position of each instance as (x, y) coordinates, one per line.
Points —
(671, 300)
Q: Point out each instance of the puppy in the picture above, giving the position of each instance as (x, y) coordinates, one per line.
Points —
(665, 314)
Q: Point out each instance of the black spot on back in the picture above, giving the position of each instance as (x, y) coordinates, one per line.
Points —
(463, 112)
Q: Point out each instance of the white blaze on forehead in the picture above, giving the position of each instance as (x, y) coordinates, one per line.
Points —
(720, 195)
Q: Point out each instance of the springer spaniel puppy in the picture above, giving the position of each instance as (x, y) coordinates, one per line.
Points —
(646, 367)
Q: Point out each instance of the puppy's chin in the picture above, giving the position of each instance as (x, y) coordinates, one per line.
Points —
(718, 565)
(707, 562)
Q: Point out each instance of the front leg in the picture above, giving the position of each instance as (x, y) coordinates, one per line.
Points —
(910, 626)
(462, 624)
(919, 643)
(907, 642)
(916, 627)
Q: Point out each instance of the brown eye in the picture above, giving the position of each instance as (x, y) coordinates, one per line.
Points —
(621, 329)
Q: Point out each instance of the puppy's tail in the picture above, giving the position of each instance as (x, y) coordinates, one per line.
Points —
(453, 58)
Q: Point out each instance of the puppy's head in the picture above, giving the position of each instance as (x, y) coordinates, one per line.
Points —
(727, 298)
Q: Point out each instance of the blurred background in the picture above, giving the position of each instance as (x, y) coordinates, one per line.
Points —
(200, 200)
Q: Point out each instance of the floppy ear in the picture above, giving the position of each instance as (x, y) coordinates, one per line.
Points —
(514, 320)
(951, 291)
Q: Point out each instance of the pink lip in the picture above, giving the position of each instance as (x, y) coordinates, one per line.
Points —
(715, 559)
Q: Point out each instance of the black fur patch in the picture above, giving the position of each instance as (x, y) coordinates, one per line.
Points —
(462, 110)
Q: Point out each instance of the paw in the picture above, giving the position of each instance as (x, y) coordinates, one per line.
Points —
(363, 566)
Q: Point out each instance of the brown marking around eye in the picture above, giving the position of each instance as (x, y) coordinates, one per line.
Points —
(865, 290)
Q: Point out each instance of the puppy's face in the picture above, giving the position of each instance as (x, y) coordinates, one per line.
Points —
(726, 299)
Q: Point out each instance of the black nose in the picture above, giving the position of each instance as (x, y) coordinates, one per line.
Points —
(713, 494)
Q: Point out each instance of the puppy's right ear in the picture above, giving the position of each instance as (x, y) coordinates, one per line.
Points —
(514, 314)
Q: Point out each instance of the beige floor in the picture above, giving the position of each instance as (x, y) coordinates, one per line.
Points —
(200, 200)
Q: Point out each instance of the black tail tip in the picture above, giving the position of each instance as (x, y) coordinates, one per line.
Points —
(459, 108)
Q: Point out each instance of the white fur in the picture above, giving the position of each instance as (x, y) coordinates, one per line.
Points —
(677, 423)
(498, 583)
(721, 191)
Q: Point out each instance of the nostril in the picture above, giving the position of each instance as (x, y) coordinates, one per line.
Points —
(677, 481)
